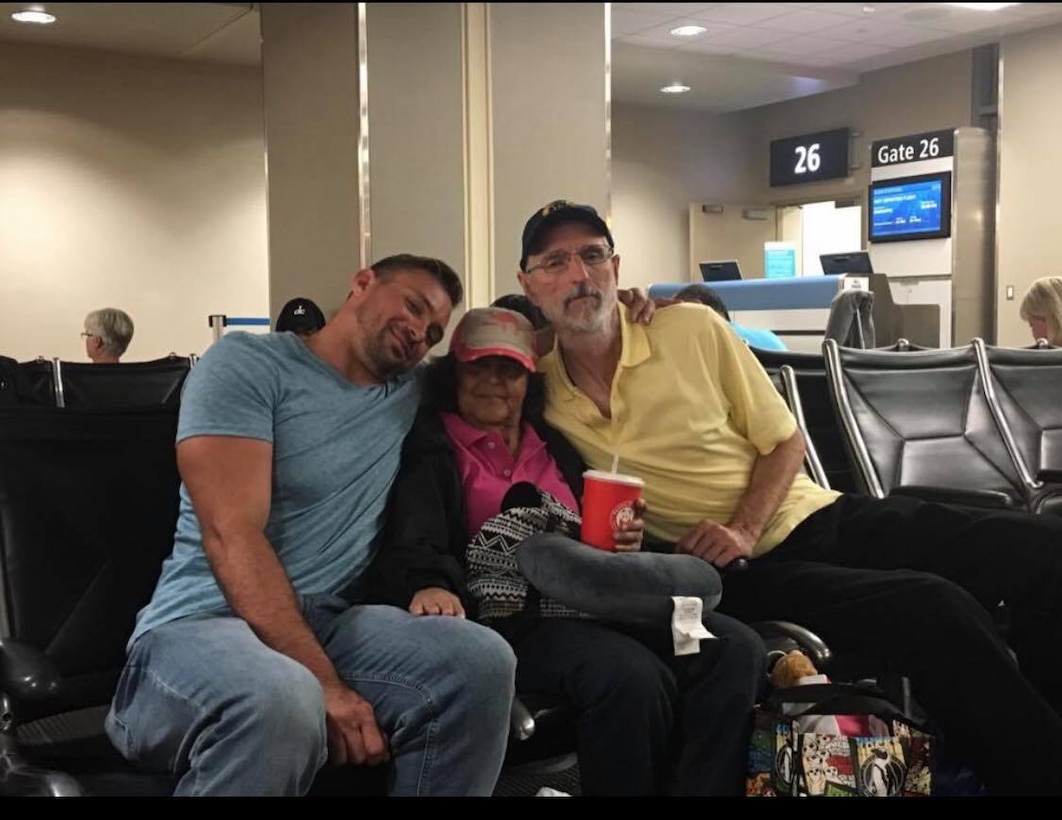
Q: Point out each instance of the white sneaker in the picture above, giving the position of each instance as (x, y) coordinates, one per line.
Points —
(546, 791)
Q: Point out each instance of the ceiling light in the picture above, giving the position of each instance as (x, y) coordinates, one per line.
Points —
(688, 31)
(983, 6)
(675, 88)
(42, 18)
(869, 9)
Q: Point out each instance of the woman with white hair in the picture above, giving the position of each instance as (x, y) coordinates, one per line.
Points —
(1042, 309)
(107, 334)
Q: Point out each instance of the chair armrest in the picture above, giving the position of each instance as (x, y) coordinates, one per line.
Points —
(1050, 476)
(27, 673)
(521, 722)
(991, 499)
(810, 643)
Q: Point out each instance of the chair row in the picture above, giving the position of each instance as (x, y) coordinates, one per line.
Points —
(88, 507)
(55, 383)
(979, 425)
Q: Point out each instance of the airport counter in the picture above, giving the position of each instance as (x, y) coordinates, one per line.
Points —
(798, 309)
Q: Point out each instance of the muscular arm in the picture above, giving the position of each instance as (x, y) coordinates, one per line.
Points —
(772, 476)
(229, 481)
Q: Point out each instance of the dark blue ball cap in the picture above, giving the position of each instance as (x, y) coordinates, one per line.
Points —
(300, 314)
(558, 212)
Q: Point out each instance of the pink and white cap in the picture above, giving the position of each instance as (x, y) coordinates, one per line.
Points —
(494, 331)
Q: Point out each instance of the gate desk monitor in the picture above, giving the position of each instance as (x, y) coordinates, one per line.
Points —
(723, 271)
(834, 264)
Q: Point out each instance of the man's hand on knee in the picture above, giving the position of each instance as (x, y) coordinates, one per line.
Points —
(717, 544)
(354, 738)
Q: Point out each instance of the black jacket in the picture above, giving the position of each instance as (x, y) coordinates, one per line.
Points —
(425, 535)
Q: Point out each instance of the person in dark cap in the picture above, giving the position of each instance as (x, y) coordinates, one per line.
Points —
(907, 583)
(524, 306)
(300, 316)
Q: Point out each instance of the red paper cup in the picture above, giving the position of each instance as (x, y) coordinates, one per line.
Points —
(608, 502)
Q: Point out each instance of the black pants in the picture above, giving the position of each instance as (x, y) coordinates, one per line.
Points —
(649, 722)
(912, 584)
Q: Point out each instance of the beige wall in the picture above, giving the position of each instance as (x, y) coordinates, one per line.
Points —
(311, 101)
(665, 160)
(662, 162)
(416, 151)
(928, 95)
(1030, 175)
(548, 115)
(127, 182)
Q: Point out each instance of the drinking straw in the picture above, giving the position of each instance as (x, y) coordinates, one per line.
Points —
(615, 462)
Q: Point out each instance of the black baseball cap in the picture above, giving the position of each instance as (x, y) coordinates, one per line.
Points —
(559, 212)
(300, 315)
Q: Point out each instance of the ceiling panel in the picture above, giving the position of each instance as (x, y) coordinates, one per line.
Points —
(744, 14)
(663, 35)
(742, 37)
(162, 29)
(674, 9)
(802, 21)
(629, 21)
(782, 41)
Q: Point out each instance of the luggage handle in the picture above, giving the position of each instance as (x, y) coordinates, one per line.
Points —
(838, 699)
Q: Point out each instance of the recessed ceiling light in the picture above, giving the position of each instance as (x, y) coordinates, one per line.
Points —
(675, 88)
(37, 16)
(983, 6)
(869, 9)
(688, 31)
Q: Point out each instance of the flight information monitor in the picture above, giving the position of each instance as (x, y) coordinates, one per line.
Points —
(906, 208)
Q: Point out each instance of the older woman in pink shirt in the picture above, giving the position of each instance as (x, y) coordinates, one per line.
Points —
(648, 722)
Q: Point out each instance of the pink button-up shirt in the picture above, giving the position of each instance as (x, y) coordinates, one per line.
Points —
(488, 469)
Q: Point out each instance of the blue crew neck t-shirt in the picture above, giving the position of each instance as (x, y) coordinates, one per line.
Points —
(336, 449)
(758, 337)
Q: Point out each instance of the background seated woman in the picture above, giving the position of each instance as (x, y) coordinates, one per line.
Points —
(1041, 307)
(648, 722)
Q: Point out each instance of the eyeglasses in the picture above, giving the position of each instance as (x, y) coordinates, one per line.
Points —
(86, 335)
(558, 261)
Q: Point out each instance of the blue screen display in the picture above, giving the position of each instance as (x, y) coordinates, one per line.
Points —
(911, 209)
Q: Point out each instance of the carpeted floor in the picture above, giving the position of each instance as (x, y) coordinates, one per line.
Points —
(561, 774)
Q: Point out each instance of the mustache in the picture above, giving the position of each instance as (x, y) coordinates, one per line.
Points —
(584, 290)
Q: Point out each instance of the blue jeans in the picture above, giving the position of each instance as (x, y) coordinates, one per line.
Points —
(205, 699)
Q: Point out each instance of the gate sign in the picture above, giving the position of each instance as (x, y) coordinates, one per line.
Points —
(810, 157)
(913, 148)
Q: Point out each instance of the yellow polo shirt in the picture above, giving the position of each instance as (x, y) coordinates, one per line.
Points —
(691, 410)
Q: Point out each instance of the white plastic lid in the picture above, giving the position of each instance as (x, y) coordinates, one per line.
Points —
(615, 478)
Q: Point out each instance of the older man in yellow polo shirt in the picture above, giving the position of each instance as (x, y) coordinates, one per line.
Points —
(685, 405)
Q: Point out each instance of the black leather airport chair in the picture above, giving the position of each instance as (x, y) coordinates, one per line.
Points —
(27, 383)
(919, 423)
(154, 383)
(809, 392)
(791, 393)
(11, 382)
(1024, 391)
(88, 507)
(902, 346)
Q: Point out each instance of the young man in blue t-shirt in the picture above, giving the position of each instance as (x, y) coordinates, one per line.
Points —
(254, 664)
